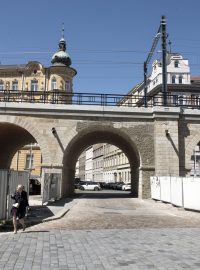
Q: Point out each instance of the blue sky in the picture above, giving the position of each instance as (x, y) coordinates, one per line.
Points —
(108, 40)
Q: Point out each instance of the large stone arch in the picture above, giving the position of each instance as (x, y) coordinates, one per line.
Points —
(99, 134)
(15, 132)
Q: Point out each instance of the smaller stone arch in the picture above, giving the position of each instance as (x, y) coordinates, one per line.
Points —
(32, 130)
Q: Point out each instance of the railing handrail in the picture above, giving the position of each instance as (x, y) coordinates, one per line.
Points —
(101, 99)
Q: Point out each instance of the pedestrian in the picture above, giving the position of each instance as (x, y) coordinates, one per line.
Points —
(19, 207)
(24, 193)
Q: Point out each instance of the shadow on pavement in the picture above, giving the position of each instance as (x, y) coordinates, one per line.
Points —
(105, 194)
(37, 212)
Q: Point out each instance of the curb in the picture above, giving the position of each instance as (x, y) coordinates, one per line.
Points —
(59, 215)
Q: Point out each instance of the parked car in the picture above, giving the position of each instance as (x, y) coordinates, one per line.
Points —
(103, 185)
(119, 185)
(77, 184)
(126, 186)
(89, 185)
(111, 185)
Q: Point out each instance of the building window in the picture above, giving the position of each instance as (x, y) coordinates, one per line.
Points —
(180, 100)
(176, 63)
(15, 86)
(29, 161)
(1, 86)
(180, 79)
(130, 103)
(67, 86)
(53, 84)
(173, 79)
(34, 85)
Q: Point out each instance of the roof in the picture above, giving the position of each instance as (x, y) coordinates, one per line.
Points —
(21, 66)
(195, 78)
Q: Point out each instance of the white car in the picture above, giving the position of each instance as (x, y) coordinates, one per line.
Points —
(126, 186)
(90, 186)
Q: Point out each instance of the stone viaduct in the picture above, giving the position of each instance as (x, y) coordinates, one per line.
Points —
(157, 141)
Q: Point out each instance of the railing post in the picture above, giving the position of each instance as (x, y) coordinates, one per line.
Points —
(164, 67)
(145, 84)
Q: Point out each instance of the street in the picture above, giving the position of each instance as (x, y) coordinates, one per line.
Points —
(108, 230)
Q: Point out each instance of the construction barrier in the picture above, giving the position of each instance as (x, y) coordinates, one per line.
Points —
(179, 191)
(9, 180)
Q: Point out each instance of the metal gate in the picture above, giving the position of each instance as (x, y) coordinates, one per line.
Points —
(9, 180)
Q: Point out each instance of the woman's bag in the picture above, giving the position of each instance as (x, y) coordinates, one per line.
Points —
(16, 205)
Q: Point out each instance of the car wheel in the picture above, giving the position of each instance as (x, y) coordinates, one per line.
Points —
(96, 188)
(81, 188)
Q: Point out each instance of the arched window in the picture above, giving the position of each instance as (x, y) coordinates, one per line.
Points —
(176, 63)
(180, 79)
(15, 85)
(53, 84)
(173, 79)
(1, 85)
(34, 85)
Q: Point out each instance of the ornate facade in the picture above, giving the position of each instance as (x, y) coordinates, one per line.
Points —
(36, 78)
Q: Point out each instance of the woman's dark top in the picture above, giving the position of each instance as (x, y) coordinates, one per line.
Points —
(22, 200)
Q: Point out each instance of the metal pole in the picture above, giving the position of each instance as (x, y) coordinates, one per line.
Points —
(164, 53)
(145, 84)
(194, 163)
(18, 152)
(30, 160)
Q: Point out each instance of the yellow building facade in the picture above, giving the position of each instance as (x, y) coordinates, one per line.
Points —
(28, 158)
(37, 79)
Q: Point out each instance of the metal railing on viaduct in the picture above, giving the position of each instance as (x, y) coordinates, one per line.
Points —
(60, 97)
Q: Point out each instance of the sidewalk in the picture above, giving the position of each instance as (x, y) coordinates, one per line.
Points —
(51, 210)
(40, 213)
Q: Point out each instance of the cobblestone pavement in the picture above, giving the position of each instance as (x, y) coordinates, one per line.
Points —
(108, 232)
(119, 210)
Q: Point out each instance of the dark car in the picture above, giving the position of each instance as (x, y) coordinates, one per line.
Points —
(103, 185)
(77, 184)
(34, 187)
(119, 185)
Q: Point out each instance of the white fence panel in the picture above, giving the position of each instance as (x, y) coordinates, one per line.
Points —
(177, 191)
(155, 187)
(3, 193)
(165, 189)
(191, 191)
(9, 180)
(16, 178)
(51, 187)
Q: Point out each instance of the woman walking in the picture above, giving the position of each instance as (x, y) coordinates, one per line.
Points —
(19, 207)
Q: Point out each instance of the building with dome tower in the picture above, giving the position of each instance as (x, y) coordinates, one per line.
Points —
(35, 77)
(33, 82)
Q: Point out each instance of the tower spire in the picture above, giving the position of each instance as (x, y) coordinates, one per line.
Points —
(61, 57)
(63, 30)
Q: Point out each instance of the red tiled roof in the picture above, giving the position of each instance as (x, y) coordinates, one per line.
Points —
(195, 77)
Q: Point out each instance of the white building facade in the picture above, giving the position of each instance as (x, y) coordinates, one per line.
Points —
(89, 164)
(116, 165)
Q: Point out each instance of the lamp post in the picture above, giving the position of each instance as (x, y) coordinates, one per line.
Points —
(18, 152)
(194, 152)
(30, 160)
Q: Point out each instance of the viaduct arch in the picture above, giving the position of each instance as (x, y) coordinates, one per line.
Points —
(14, 134)
(99, 134)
